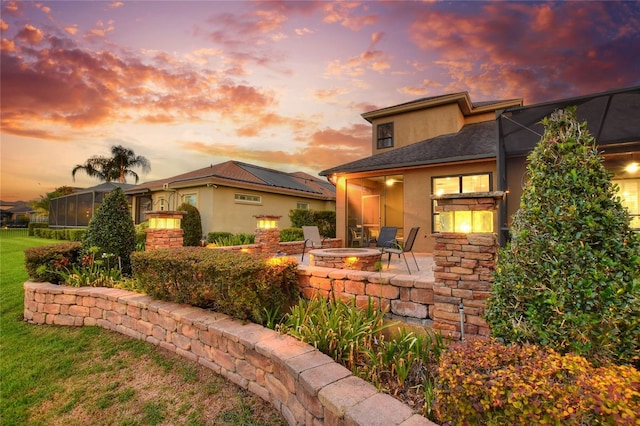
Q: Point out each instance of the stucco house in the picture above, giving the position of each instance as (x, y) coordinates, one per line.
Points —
(449, 144)
(228, 195)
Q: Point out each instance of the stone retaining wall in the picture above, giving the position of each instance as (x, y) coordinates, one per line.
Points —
(306, 386)
(408, 297)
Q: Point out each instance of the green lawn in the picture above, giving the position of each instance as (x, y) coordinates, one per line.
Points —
(54, 375)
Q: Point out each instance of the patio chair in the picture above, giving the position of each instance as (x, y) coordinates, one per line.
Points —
(401, 250)
(312, 239)
(387, 237)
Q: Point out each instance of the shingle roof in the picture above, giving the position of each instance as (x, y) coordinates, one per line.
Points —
(473, 141)
(243, 175)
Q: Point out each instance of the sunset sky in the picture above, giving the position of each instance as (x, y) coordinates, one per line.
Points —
(280, 84)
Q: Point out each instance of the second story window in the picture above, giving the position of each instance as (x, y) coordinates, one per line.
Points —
(385, 135)
(302, 206)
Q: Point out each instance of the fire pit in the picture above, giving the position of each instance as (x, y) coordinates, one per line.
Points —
(358, 259)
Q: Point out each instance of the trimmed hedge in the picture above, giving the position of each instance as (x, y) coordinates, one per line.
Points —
(325, 220)
(242, 285)
(73, 234)
(488, 383)
(44, 263)
(33, 225)
(291, 234)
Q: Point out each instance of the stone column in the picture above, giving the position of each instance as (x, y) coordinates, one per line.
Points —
(164, 229)
(267, 233)
(463, 271)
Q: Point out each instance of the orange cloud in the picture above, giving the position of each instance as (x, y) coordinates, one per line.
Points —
(3, 25)
(7, 45)
(30, 34)
(324, 149)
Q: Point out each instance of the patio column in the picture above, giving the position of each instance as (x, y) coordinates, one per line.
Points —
(463, 271)
(164, 229)
(267, 233)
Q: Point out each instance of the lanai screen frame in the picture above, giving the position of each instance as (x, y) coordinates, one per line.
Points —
(613, 118)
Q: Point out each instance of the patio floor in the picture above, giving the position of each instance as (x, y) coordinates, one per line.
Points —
(397, 265)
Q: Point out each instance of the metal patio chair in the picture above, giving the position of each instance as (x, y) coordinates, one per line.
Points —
(401, 250)
(312, 239)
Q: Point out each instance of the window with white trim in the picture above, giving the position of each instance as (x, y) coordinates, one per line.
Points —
(247, 198)
(302, 206)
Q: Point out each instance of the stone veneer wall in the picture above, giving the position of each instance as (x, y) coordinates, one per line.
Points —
(287, 248)
(306, 386)
(408, 297)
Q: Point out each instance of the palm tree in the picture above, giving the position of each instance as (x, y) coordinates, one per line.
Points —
(123, 159)
(117, 167)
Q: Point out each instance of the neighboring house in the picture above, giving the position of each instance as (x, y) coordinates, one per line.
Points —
(77, 209)
(16, 213)
(228, 195)
(447, 144)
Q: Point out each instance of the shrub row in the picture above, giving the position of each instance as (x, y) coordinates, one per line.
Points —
(45, 263)
(238, 284)
(74, 234)
(325, 220)
(34, 225)
(487, 382)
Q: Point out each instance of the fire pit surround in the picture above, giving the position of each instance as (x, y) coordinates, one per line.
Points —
(357, 259)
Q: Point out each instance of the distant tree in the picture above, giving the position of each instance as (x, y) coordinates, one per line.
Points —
(42, 205)
(191, 225)
(114, 168)
(111, 229)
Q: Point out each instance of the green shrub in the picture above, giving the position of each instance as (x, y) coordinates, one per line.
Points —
(336, 328)
(212, 237)
(238, 284)
(34, 225)
(570, 277)
(94, 270)
(291, 234)
(488, 383)
(325, 220)
(141, 235)
(111, 229)
(76, 234)
(226, 239)
(45, 263)
(191, 225)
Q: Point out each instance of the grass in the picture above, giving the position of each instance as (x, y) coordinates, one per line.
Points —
(68, 376)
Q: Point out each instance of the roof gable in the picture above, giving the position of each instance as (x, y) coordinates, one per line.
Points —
(473, 141)
(462, 99)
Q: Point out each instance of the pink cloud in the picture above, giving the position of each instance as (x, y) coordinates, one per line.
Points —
(560, 50)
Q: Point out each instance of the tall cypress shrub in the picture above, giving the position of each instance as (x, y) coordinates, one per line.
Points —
(191, 225)
(111, 229)
(570, 276)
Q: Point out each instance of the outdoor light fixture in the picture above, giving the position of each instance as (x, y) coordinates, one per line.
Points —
(267, 222)
(164, 223)
(632, 167)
